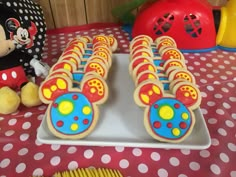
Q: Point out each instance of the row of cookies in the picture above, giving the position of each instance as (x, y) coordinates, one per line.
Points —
(163, 88)
(76, 85)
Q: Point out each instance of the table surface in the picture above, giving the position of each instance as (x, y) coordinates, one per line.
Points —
(21, 154)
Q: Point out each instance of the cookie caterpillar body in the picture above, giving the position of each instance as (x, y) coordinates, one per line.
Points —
(164, 88)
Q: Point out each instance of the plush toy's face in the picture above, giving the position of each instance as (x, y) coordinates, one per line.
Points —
(7, 46)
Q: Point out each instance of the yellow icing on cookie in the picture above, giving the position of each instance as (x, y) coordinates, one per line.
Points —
(185, 116)
(47, 93)
(87, 110)
(74, 127)
(166, 112)
(67, 67)
(145, 98)
(65, 107)
(156, 89)
(53, 88)
(61, 84)
(176, 132)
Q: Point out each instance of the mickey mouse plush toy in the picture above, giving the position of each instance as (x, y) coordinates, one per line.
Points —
(15, 37)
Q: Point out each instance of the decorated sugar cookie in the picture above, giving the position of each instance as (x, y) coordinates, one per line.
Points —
(165, 41)
(188, 93)
(146, 75)
(64, 64)
(146, 66)
(138, 60)
(113, 43)
(100, 38)
(97, 67)
(147, 92)
(171, 53)
(180, 73)
(169, 120)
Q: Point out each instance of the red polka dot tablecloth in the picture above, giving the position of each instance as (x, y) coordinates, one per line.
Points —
(21, 154)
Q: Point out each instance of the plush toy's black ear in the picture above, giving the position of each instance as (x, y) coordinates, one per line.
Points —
(5, 14)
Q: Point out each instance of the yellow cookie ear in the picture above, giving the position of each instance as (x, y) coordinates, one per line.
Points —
(94, 88)
(53, 87)
(148, 92)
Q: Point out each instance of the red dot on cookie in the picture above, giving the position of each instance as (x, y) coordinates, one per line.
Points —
(55, 105)
(76, 118)
(156, 106)
(169, 125)
(85, 121)
(157, 124)
(183, 125)
(75, 97)
(177, 106)
(60, 123)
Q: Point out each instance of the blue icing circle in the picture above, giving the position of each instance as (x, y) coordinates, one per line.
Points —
(75, 116)
(174, 114)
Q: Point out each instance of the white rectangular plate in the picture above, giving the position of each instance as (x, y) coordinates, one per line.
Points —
(121, 120)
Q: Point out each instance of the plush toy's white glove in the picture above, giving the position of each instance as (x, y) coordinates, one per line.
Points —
(40, 68)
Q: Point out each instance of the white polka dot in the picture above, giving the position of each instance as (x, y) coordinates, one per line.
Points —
(220, 112)
(106, 159)
(38, 172)
(20, 167)
(215, 142)
(39, 156)
(222, 132)
(234, 116)
(4, 77)
(215, 169)
(226, 105)
(24, 137)
(232, 147)
(119, 148)
(73, 165)
(23, 151)
(185, 151)
(233, 99)
(142, 168)
(26, 125)
(182, 175)
(162, 172)
(218, 96)
(71, 150)
(174, 161)
(194, 166)
(212, 121)
(211, 103)
(124, 163)
(55, 161)
(12, 122)
(137, 152)
(210, 88)
(9, 133)
(232, 173)
(5, 163)
(13, 74)
(224, 157)
(88, 154)
(28, 114)
(229, 123)
(155, 156)
(55, 147)
(7, 147)
(204, 153)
